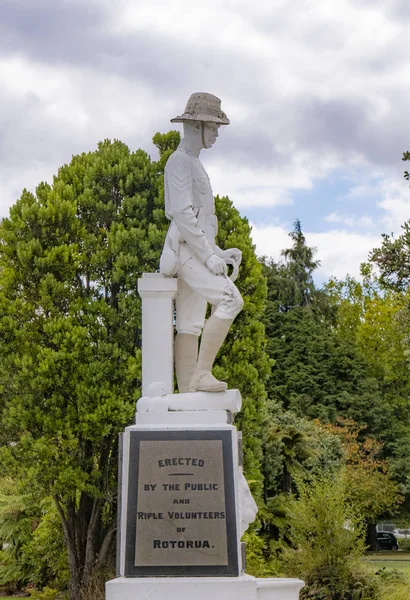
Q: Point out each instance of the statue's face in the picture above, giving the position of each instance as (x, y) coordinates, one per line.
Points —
(210, 134)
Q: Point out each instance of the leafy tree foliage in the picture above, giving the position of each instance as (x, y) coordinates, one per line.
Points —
(406, 156)
(70, 324)
(18, 517)
(33, 550)
(46, 552)
(393, 257)
(376, 323)
(316, 373)
(369, 485)
(295, 448)
(300, 266)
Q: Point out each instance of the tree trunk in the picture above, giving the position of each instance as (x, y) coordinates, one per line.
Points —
(371, 536)
(70, 540)
(90, 550)
(74, 586)
(87, 545)
(88, 541)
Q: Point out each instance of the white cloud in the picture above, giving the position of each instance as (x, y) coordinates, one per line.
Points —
(351, 221)
(50, 113)
(267, 185)
(80, 98)
(396, 204)
(270, 240)
(339, 251)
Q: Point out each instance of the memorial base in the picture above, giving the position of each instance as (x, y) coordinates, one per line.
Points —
(181, 480)
(243, 587)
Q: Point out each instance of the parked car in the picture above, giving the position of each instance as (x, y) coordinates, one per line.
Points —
(386, 541)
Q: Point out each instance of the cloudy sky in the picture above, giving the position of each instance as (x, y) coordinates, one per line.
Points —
(317, 92)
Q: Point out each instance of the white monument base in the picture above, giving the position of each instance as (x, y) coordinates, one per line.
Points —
(243, 587)
(238, 587)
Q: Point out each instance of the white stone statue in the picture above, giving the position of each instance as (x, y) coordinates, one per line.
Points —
(191, 254)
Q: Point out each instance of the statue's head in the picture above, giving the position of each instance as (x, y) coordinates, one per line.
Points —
(202, 117)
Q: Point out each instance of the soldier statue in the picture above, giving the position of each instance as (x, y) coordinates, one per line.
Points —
(190, 251)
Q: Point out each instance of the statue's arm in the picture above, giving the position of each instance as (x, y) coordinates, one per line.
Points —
(181, 206)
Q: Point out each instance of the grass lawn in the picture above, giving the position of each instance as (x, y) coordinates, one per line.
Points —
(388, 560)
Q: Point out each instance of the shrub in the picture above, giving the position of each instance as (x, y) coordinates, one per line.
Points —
(19, 516)
(394, 591)
(46, 553)
(96, 587)
(404, 544)
(328, 540)
(258, 561)
(392, 585)
(44, 594)
(34, 552)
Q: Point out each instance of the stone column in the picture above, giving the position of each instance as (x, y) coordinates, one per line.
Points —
(157, 293)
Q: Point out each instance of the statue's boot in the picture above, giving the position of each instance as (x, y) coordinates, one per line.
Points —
(186, 355)
(213, 336)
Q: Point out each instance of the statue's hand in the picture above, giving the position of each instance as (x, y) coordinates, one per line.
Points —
(233, 254)
(216, 265)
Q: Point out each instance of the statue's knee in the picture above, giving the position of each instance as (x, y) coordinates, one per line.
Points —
(238, 302)
(231, 303)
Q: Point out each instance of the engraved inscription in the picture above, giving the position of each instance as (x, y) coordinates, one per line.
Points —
(181, 512)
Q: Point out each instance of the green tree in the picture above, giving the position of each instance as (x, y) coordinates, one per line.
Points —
(375, 322)
(300, 266)
(70, 258)
(295, 448)
(46, 552)
(33, 543)
(317, 373)
(392, 258)
(370, 487)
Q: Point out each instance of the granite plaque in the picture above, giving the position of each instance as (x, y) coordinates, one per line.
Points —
(181, 505)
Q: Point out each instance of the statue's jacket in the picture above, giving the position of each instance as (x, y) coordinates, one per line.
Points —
(189, 204)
